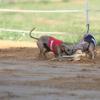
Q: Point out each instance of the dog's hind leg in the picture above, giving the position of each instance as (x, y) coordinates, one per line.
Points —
(46, 50)
(41, 48)
(44, 53)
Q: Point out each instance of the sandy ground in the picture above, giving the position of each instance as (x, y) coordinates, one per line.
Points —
(23, 76)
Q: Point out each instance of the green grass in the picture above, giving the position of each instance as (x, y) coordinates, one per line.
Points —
(74, 24)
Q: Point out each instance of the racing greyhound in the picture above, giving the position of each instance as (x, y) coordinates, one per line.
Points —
(48, 43)
(87, 45)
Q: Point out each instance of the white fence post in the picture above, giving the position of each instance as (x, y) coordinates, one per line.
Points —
(87, 16)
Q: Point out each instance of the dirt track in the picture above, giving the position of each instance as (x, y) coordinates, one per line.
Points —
(25, 77)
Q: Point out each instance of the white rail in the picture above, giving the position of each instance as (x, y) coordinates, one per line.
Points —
(40, 11)
(22, 31)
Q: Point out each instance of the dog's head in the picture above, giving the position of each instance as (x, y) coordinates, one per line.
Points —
(67, 49)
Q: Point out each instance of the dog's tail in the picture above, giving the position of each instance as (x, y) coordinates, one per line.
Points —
(30, 34)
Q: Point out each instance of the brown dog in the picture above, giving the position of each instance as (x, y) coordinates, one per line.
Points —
(48, 43)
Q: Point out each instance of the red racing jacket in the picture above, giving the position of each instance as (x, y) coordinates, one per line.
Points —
(52, 43)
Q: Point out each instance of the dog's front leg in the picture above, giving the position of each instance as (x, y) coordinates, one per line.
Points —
(59, 53)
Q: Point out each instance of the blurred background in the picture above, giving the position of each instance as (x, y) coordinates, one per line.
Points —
(64, 19)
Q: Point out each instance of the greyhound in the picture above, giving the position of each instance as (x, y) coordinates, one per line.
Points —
(47, 43)
(87, 45)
